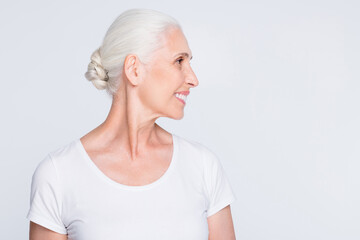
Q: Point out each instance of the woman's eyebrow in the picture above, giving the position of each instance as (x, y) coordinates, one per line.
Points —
(185, 54)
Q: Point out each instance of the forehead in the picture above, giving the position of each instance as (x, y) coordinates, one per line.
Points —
(174, 43)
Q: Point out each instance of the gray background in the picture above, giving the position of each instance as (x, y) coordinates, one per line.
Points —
(278, 101)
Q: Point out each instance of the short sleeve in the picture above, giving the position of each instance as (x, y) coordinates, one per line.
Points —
(45, 197)
(219, 191)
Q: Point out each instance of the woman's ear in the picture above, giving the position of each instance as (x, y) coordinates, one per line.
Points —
(132, 69)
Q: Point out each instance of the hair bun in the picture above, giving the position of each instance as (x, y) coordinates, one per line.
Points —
(96, 72)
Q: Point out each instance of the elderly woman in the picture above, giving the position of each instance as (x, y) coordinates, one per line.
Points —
(129, 178)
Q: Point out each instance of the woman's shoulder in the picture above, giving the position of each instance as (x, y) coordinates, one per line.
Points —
(47, 168)
(190, 144)
(64, 153)
(64, 148)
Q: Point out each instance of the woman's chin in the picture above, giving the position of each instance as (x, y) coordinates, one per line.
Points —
(177, 116)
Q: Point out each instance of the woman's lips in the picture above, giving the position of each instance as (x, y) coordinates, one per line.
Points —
(181, 97)
(180, 100)
(184, 93)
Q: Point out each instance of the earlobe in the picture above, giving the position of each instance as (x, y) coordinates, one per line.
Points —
(131, 68)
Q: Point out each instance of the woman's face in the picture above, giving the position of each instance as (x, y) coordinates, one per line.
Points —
(168, 73)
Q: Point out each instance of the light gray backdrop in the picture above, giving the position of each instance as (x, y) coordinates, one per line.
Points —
(278, 101)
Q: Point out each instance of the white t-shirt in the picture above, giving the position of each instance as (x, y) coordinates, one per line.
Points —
(71, 195)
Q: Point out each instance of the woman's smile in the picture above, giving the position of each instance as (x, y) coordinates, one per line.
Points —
(181, 96)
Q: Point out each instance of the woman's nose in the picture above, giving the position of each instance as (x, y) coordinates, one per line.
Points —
(191, 78)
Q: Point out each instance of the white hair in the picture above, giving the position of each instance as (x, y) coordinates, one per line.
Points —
(135, 31)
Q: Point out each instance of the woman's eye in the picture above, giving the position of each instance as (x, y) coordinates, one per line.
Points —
(179, 60)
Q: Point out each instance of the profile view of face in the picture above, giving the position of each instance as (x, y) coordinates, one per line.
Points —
(169, 72)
